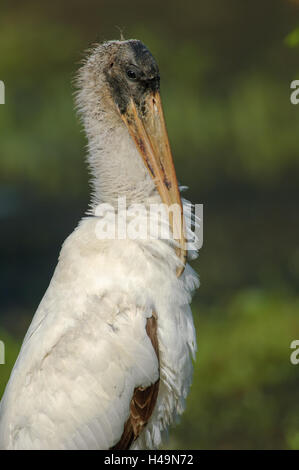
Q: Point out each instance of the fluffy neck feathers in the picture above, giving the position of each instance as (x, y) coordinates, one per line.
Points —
(116, 167)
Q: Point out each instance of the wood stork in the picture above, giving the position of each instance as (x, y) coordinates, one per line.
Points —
(107, 360)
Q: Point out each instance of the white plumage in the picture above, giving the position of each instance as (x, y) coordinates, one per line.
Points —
(87, 348)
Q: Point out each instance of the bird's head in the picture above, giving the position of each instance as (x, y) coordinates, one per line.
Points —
(119, 83)
(131, 74)
(115, 73)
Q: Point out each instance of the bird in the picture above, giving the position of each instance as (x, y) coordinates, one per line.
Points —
(107, 361)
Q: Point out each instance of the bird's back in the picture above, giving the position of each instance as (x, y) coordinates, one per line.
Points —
(87, 348)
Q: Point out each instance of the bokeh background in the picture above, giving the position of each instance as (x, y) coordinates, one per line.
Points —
(226, 69)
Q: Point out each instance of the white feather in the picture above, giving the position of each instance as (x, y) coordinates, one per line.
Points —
(87, 348)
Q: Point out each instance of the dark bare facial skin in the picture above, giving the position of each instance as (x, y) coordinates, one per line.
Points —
(132, 73)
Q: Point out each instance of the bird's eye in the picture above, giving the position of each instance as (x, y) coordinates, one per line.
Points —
(131, 74)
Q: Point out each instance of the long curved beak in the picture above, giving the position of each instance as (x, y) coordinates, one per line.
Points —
(150, 136)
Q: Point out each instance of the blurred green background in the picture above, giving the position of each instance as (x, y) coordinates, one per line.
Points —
(226, 69)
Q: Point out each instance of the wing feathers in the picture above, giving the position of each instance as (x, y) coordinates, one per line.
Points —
(144, 399)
